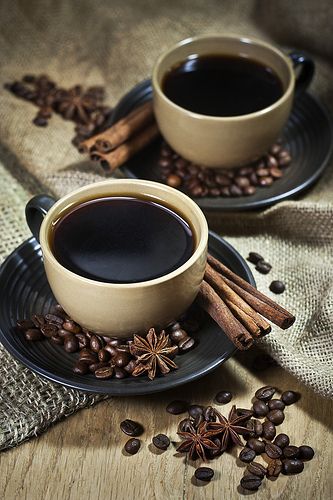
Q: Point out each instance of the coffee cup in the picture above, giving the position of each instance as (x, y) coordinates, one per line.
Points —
(236, 134)
(115, 308)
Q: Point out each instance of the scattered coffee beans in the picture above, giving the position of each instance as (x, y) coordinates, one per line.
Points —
(290, 451)
(276, 416)
(195, 410)
(254, 257)
(223, 397)
(265, 393)
(204, 473)
(273, 451)
(274, 468)
(281, 440)
(247, 455)
(132, 446)
(260, 408)
(276, 404)
(289, 397)
(305, 453)
(250, 482)
(161, 441)
(242, 181)
(277, 286)
(257, 445)
(131, 428)
(177, 407)
(292, 466)
(268, 430)
(256, 469)
(263, 267)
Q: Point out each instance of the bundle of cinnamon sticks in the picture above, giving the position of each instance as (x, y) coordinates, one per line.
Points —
(113, 147)
(238, 307)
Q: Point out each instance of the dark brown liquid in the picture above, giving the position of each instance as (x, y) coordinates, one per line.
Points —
(122, 240)
(218, 85)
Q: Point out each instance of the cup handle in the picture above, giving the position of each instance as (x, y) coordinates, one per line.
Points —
(35, 211)
(307, 69)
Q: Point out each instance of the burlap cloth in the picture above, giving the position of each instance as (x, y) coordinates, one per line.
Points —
(115, 43)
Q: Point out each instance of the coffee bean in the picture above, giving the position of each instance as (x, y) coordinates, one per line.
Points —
(305, 453)
(177, 334)
(265, 181)
(265, 393)
(274, 468)
(250, 426)
(132, 446)
(174, 180)
(242, 181)
(177, 407)
(281, 440)
(263, 267)
(247, 455)
(260, 408)
(254, 257)
(104, 373)
(222, 180)
(95, 343)
(257, 445)
(214, 192)
(275, 149)
(223, 397)
(54, 320)
(289, 397)
(254, 179)
(33, 334)
(245, 171)
(71, 326)
(292, 466)
(268, 430)
(257, 469)
(291, 451)
(115, 342)
(276, 416)
(103, 355)
(131, 428)
(276, 173)
(277, 286)
(39, 121)
(71, 344)
(262, 172)
(97, 365)
(49, 330)
(111, 349)
(225, 191)
(204, 473)
(129, 368)
(122, 359)
(235, 190)
(271, 162)
(83, 340)
(88, 356)
(276, 404)
(217, 451)
(194, 410)
(198, 420)
(284, 159)
(120, 373)
(63, 333)
(80, 368)
(249, 190)
(250, 482)
(164, 162)
(161, 441)
(257, 427)
(186, 345)
(273, 451)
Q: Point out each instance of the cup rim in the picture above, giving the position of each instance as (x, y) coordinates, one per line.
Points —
(240, 38)
(202, 243)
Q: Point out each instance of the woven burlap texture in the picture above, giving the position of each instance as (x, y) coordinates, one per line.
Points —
(115, 44)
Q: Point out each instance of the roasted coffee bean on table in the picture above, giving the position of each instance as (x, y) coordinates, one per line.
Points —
(257, 469)
(200, 182)
(131, 428)
(260, 408)
(277, 286)
(247, 455)
(257, 445)
(291, 451)
(268, 430)
(305, 453)
(281, 440)
(265, 393)
(276, 416)
(132, 446)
(161, 441)
(292, 466)
(273, 451)
(289, 397)
(204, 473)
(223, 397)
(263, 267)
(177, 407)
(250, 482)
(276, 404)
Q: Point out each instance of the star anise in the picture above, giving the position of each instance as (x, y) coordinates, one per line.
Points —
(197, 442)
(76, 105)
(229, 428)
(153, 354)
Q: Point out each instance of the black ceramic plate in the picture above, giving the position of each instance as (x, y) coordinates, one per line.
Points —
(24, 290)
(308, 135)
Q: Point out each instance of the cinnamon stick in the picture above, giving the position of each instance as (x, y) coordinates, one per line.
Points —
(244, 312)
(260, 302)
(221, 314)
(116, 158)
(122, 130)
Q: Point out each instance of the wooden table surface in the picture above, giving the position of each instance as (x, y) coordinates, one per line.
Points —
(82, 457)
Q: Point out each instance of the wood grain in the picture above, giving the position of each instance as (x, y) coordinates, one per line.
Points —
(82, 457)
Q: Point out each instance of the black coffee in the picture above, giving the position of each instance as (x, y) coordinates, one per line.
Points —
(219, 85)
(122, 240)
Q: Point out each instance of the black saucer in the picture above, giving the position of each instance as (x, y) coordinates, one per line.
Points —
(308, 135)
(24, 290)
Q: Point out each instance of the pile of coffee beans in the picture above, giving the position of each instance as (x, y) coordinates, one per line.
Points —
(201, 182)
(104, 357)
(84, 107)
(264, 267)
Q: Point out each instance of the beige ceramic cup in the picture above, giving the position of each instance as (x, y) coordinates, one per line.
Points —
(215, 141)
(121, 309)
